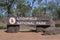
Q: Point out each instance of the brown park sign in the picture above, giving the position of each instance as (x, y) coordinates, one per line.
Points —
(28, 21)
(13, 23)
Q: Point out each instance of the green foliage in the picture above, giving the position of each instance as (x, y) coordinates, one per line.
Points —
(34, 12)
(23, 8)
(37, 10)
(39, 1)
(23, 14)
(2, 18)
(58, 12)
(51, 5)
(1, 27)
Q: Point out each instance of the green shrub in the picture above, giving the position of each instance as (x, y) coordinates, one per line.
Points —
(2, 27)
(57, 25)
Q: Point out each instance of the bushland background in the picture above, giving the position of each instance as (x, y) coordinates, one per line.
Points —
(29, 8)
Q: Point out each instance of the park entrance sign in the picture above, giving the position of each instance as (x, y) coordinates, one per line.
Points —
(28, 21)
(14, 22)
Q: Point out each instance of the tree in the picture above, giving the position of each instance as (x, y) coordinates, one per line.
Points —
(38, 10)
(58, 13)
(7, 4)
(28, 8)
(23, 9)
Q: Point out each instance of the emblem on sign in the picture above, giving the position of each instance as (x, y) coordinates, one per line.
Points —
(12, 20)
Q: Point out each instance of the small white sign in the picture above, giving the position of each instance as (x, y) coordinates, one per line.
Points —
(12, 20)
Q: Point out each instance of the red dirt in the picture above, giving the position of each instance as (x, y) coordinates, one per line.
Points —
(27, 36)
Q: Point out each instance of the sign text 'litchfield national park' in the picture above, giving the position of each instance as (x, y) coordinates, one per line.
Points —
(27, 21)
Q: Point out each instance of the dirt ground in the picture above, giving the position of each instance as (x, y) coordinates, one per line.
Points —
(27, 36)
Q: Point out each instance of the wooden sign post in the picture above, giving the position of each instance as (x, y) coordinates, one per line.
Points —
(14, 22)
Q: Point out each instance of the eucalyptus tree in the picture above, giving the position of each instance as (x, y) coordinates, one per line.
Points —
(26, 7)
